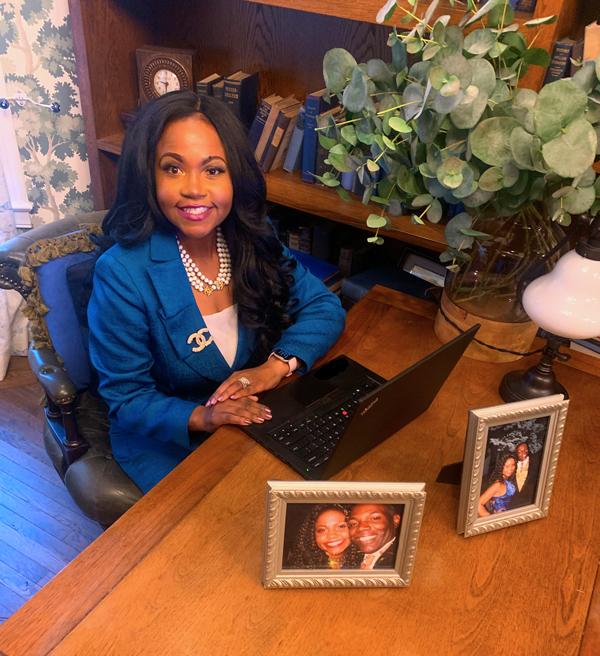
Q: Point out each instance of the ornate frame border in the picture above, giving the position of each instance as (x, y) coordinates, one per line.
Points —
(280, 493)
(480, 421)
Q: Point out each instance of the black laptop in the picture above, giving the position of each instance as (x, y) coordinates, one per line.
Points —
(336, 413)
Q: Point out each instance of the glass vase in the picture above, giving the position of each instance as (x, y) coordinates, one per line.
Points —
(489, 284)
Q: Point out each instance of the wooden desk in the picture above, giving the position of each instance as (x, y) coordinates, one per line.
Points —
(180, 573)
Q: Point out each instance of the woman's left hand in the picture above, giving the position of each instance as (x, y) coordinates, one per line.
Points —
(249, 382)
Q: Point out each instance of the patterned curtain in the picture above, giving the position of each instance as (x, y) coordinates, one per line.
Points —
(13, 325)
(36, 52)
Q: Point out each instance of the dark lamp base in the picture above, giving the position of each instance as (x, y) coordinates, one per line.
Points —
(523, 385)
(537, 381)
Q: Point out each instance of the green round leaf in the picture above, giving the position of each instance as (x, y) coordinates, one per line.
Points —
(355, 95)
(579, 200)
(466, 116)
(326, 142)
(338, 65)
(389, 143)
(422, 200)
(479, 42)
(342, 193)
(348, 133)
(510, 174)
(574, 151)
(451, 87)
(450, 172)
(490, 140)
(437, 76)
(478, 198)
(483, 75)
(375, 240)
(558, 104)
(434, 213)
(399, 125)
(545, 20)
(453, 231)
(491, 179)
(536, 57)
(340, 163)
(379, 71)
(375, 221)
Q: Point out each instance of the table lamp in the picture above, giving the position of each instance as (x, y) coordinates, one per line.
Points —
(565, 304)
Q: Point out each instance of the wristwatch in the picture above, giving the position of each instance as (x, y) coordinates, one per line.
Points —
(288, 358)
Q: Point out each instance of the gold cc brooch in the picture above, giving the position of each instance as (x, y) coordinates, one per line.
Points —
(201, 341)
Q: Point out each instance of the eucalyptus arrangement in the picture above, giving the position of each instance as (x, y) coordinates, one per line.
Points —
(444, 125)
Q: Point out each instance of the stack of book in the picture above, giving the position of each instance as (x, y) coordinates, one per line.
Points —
(566, 54)
(283, 133)
(272, 129)
(239, 90)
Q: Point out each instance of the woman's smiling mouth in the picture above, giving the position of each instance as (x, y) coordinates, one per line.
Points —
(194, 212)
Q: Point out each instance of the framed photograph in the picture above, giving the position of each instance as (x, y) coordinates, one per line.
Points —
(340, 534)
(511, 452)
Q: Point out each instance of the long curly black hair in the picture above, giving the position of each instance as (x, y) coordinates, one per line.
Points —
(261, 274)
(497, 476)
(307, 555)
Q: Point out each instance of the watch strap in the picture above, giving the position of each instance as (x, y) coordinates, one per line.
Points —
(292, 362)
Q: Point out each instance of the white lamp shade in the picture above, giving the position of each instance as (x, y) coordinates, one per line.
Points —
(566, 301)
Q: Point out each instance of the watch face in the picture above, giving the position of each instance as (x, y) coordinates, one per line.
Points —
(165, 81)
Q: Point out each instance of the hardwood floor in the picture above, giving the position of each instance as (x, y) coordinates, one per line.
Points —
(41, 528)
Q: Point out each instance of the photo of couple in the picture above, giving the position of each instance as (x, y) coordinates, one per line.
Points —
(359, 536)
(512, 465)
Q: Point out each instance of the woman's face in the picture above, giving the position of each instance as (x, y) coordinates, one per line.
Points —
(331, 532)
(509, 468)
(193, 184)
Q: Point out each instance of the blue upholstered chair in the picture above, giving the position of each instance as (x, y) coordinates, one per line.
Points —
(52, 268)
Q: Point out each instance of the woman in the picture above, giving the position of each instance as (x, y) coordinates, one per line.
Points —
(502, 488)
(324, 541)
(197, 307)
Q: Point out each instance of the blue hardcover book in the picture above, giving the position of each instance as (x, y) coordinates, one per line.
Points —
(314, 105)
(260, 119)
(559, 66)
(524, 5)
(323, 270)
(348, 180)
(293, 156)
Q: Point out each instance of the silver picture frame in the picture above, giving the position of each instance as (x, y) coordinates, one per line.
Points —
(289, 501)
(494, 435)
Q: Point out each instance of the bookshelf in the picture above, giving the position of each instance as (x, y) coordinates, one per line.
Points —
(284, 40)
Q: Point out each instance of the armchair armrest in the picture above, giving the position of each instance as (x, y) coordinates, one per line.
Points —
(52, 376)
(61, 395)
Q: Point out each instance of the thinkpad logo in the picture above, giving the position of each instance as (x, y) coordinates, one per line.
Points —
(365, 410)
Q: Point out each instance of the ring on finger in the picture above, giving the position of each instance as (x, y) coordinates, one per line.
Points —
(244, 381)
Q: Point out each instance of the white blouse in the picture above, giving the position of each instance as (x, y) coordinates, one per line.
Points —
(223, 326)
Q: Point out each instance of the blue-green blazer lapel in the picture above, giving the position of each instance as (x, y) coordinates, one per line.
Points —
(178, 310)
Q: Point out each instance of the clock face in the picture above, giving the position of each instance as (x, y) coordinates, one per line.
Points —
(165, 81)
(160, 74)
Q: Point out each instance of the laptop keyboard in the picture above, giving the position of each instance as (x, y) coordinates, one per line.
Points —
(314, 436)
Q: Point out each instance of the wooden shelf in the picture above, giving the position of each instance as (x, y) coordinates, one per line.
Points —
(111, 144)
(289, 190)
(366, 10)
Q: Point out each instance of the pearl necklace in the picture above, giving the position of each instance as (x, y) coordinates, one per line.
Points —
(197, 279)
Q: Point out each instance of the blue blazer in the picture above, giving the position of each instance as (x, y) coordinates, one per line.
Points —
(141, 315)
